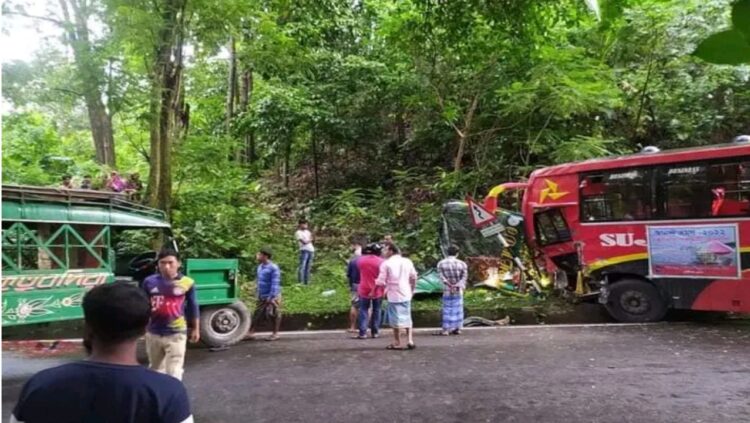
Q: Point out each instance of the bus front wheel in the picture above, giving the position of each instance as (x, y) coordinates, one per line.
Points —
(635, 301)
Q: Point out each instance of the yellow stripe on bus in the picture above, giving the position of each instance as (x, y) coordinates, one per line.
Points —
(617, 260)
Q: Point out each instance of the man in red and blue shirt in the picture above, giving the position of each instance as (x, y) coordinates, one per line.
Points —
(370, 295)
(174, 309)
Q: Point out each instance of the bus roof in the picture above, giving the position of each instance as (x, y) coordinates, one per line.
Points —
(716, 151)
(54, 205)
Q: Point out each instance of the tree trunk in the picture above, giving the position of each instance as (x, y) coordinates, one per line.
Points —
(166, 93)
(152, 190)
(287, 160)
(463, 134)
(91, 77)
(315, 163)
(246, 93)
(101, 128)
(231, 84)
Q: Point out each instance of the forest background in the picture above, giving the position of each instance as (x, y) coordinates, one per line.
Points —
(362, 116)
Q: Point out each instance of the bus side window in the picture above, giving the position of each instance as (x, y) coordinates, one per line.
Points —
(730, 188)
(617, 195)
(686, 191)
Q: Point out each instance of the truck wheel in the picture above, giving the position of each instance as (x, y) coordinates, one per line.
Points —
(635, 301)
(224, 325)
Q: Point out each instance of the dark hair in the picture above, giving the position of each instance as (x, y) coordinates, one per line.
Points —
(116, 312)
(453, 250)
(168, 252)
(67, 176)
(372, 249)
(266, 251)
(301, 221)
(393, 248)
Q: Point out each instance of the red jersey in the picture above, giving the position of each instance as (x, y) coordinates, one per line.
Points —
(369, 268)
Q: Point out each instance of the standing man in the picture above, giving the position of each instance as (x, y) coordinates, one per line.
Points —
(306, 252)
(370, 295)
(174, 309)
(110, 386)
(399, 277)
(269, 295)
(453, 273)
(352, 274)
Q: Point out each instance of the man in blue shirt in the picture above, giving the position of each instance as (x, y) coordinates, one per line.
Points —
(110, 386)
(352, 275)
(269, 294)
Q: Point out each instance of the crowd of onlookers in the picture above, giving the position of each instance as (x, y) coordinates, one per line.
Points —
(130, 186)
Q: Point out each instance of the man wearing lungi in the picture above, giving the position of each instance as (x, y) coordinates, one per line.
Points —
(268, 306)
(453, 273)
(398, 276)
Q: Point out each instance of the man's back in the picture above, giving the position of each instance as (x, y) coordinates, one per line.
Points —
(397, 272)
(91, 392)
(369, 266)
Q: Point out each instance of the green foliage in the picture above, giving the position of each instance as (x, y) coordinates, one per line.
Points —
(361, 107)
(730, 47)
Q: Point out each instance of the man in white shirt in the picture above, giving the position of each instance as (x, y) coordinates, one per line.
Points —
(306, 252)
(399, 277)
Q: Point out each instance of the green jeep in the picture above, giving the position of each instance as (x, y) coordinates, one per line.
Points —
(57, 244)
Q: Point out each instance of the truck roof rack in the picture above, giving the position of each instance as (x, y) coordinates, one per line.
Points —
(79, 197)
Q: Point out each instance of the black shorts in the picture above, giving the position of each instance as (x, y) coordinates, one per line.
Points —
(266, 311)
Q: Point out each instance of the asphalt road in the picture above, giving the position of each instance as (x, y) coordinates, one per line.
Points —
(652, 373)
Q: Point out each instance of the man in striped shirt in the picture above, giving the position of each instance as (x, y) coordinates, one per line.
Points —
(453, 273)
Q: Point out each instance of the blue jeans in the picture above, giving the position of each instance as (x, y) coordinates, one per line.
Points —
(305, 264)
(364, 307)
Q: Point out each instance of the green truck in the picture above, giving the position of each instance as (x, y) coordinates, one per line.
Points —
(58, 243)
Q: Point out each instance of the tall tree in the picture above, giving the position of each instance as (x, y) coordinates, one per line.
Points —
(74, 20)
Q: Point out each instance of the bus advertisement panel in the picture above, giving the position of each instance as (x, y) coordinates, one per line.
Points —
(694, 251)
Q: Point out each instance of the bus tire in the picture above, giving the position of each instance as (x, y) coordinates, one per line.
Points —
(635, 301)
(224, 325)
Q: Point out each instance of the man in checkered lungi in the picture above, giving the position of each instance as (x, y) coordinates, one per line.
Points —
(453, 272)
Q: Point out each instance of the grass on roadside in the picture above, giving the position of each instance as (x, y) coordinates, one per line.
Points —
(329, 275)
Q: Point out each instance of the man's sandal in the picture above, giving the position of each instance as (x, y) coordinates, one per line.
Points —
(394, 348)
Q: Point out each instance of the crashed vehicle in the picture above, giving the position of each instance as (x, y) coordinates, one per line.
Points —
(645, 232)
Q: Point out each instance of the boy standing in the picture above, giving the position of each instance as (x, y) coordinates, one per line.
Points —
(306, 251)
(173, 309)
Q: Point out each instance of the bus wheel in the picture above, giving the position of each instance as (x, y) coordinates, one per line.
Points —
(224, 325)
(635, 301)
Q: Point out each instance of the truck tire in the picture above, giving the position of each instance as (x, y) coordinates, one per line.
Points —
(224, 325)
(635, 301)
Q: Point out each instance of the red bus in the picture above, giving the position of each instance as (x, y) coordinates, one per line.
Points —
(647, 231)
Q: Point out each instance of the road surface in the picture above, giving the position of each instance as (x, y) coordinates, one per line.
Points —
(600, 373)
